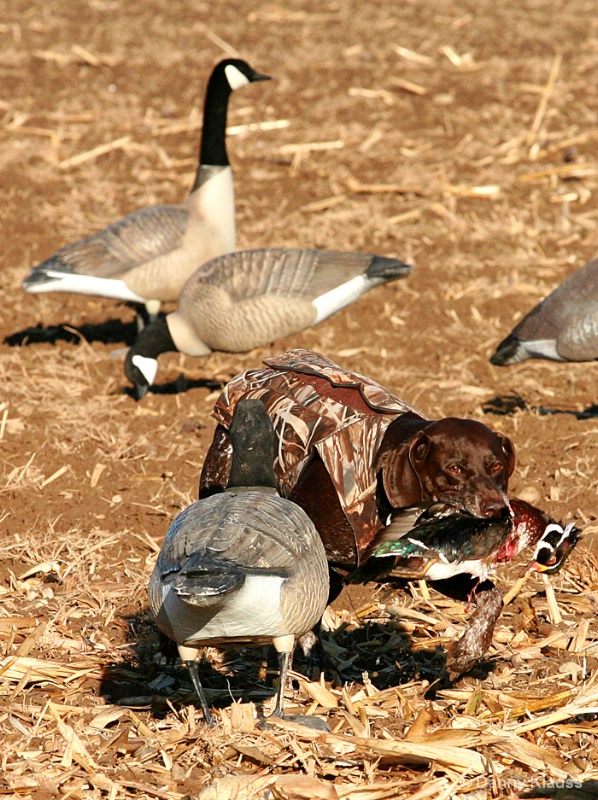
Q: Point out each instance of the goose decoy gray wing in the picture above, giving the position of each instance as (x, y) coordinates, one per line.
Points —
(147, 256)
(249, 541)
(562, 327)
(249, 298)
(96, 264)
(242, 567)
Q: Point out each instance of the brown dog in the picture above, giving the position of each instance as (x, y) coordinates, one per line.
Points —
(349, 451)
(457, 461)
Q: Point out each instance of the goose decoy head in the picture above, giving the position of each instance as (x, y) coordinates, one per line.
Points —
(141, 362)
(238, 73)
(253, 440)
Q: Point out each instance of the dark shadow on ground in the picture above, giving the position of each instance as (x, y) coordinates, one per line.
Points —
(155, 679)
(181, 385)
(112, 331)
(508, 404)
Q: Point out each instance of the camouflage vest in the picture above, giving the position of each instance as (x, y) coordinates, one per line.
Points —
(316, 405)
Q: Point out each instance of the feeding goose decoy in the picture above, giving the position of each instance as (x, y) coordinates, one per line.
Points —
(147, 256)
(562, 327)
(250, 298)
(242, 567)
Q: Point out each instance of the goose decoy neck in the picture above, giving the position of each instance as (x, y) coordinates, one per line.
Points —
(153, 340)
(229, 74)
(140, 363)
(253, 442)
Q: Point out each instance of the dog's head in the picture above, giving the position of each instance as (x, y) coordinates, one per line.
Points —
(457, 461)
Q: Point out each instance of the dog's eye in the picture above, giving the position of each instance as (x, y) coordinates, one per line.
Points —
(454, 469)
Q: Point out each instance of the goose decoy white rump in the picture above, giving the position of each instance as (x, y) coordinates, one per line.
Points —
(244, 566)
(147, 256)
(562, 327)
(250, 298)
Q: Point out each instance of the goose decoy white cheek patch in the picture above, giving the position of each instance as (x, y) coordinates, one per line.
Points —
(235, 77)
(147, 366)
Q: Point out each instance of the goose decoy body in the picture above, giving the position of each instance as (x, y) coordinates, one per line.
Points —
(242, 567)
(248, 299)
(562, 327)
(147, 256)
(437, 543)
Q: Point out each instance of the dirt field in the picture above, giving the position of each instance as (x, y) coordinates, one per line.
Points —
(459, 136)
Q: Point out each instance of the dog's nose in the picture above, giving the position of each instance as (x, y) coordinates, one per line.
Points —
(492, 508)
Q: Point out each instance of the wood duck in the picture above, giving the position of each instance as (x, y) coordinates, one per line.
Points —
(437, 543)
(553, 548)
(242, 567)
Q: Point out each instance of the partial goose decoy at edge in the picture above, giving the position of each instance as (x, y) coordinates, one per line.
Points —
(147, 256)
(562, 327)
(251, 298)
(242, 567)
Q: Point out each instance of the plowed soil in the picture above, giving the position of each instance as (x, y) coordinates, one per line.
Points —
(459, 136)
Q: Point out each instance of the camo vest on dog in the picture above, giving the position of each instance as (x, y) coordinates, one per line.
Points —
(316, 405)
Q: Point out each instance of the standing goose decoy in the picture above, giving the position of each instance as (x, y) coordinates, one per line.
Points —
(250, 298)
(242, 567)
(562, 327)
(147, 256)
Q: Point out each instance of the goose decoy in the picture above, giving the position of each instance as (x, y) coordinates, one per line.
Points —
(147, 256)
(438, 543)
(248, 299)
(562, 327)
(242, 567)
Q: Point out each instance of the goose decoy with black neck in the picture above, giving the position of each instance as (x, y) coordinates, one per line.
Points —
(147, 256)
(241, 567)
(250, 298)
(562, 327)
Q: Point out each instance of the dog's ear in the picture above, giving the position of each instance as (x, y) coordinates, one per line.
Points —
(509, 450)
(419, 449)
(399, 466)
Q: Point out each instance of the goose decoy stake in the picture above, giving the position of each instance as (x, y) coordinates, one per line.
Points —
(562, 327)
(247, 299)
(242, 567)
(147, 256)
